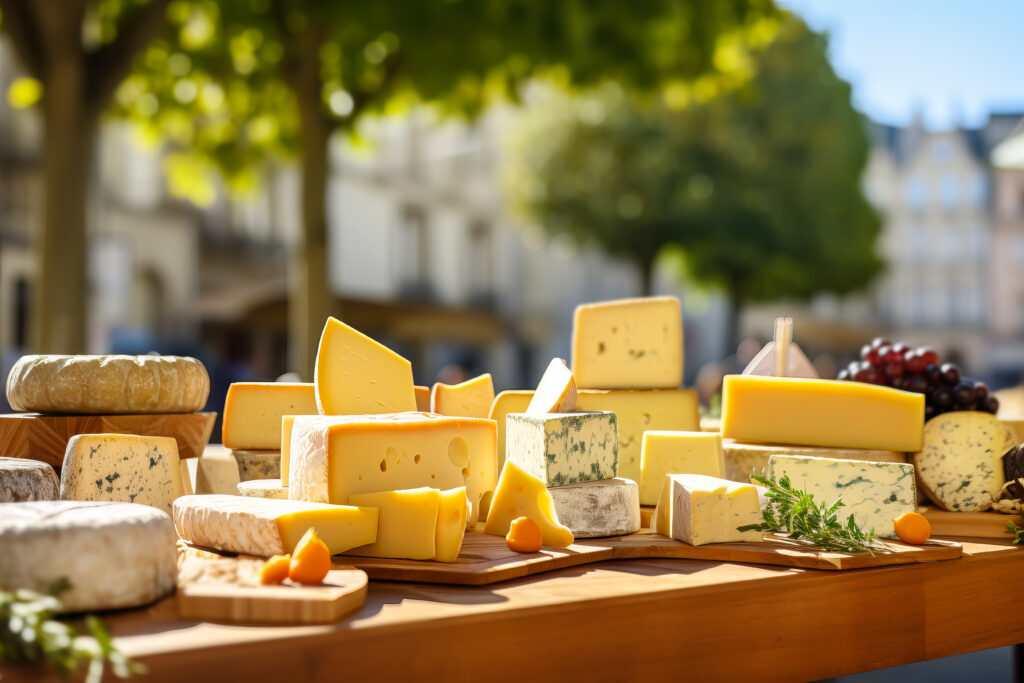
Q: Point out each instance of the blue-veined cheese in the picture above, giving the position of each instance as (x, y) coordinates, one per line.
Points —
(564, 448)
(698, 509)
(593, 509)
(257, 464)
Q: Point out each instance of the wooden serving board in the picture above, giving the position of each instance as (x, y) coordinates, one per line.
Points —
(486, 559)
(969, 524)
(45, 437)
(225, 588)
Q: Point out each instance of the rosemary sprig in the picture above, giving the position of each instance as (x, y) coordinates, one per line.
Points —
(795, 513)
(1017, 531)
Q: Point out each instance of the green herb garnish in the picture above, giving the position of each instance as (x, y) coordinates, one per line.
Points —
(1017, 531)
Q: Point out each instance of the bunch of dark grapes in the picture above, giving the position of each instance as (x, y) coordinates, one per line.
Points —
(899, 366)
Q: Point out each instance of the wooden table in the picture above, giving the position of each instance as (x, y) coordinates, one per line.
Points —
(626, 620)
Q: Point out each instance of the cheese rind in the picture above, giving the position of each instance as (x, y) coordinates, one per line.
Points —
(743, 459)
(472, 398)
(556, 392)
(257, 464)
(263, 488)
(668, 452)
(253, 412)
(23, 480)
(210, 473)
(287, 422)
(698, 509)
(564, 448)
(407, 527)
(520, 494)
(594, 509)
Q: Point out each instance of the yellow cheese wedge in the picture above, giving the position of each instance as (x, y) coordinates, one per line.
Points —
(666, 452)
(407, 526)
(820, 412)
(451, 524)
(520, 494)
(253, 411)
(515, 401)
(422, 398)
(355, 375)
(472, 398)
(287, 422)
(556, 392)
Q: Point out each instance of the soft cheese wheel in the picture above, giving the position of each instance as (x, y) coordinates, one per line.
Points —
(113, 554)
(107, 385)
(263, 488)
(472, 398)
(257, 464)
(593, 509)
(24, 480)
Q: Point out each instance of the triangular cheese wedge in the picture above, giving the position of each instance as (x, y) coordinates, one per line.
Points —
(520, 494)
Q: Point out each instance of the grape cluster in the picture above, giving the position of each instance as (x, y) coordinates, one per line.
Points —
(918, 370)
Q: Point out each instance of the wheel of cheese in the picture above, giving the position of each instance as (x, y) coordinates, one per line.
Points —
(24, 480)
(258, 464)
(107, 385)
(113, 554)
(263, 488)
(607, 507)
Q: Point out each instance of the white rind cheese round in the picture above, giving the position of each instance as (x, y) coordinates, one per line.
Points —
(24, 480)
(258, 464)
(113, 554)
(608, 507)
(263, 488)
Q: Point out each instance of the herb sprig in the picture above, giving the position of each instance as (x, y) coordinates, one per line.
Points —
(1017, 531)
(795, 513)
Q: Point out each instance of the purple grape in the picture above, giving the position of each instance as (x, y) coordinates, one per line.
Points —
(963, 393)
(917, 383)
(950, 374)
(942, 397)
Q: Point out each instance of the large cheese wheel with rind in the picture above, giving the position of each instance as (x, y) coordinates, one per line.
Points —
(24, 480)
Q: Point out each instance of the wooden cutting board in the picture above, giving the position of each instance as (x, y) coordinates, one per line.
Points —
(45, 437)
(969, 524)
(486, 559)
(225, 588)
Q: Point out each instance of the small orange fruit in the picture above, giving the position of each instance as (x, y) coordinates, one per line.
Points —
(311, 560)
(275, 570)
(913, 528)
(524, 536)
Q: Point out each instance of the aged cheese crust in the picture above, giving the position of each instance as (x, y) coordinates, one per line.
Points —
(107, 385)
(24, 480)
(257, 464)
(610, 507)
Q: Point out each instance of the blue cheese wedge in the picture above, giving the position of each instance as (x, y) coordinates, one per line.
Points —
(564, 448)
(875, 493)
(960, 466)
(698, 509)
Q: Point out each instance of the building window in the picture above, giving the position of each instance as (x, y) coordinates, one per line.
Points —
(1018, 251)
(412, 248)
(949, 245)
(917, 193)
(950, 192)
(480, 262)
(979, 189)
(917, 243)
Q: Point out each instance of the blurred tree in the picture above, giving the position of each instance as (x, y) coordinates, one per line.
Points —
(756, 187)
(75, 53)
(240, 81)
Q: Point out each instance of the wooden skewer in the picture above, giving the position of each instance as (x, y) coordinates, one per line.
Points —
(783, 336)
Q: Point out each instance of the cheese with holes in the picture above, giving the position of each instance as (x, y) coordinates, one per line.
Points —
(113, 554)
(416, 524)
(520, 494)
(23, 480)
(556, 392)
(253, 411)
(212, 472)
(628, 344)
(564, 448)
(609, 507)
(287, 421)
(422, 398)
(666, 452)
(960, 466)
(820, 412)
(122, 467)
(263, 488)
(356, 375)
(264, 527)
(875, 493)
(697, 509)
(472, 398)
(258, 464)
(743, 459)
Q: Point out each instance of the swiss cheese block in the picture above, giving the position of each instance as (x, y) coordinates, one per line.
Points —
(744, 459)
(356, 375)
(113, 554)
(212, 472)
(697, 509)
(819, 412)
(258, 464)
(472, 398)
(609, 507)
(556, 392)
(253, 411)
(122, 467)
(514, 401)
(263, 488)
(875, 493)
(422, 398)
(287, 421)
(628, 344)
(667, 452)
(520, 494)
(564, 448)
(25, 480)
(960, 466)
(452, 514)
(416, 524)
(260, 526)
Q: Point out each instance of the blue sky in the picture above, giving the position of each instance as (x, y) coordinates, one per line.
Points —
(956, 60)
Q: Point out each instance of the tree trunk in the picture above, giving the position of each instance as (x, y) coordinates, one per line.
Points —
(646, 266)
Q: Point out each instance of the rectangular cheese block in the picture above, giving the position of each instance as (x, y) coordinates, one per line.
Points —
(253, 411)
(669, 452)
(819, 412)
(265, 527)
(743, 459)
(416, 524)
(472, 398)
(212, 472)
(287, 422)
(628, 344)
(564, 448)
(875, 493)
(698, 509)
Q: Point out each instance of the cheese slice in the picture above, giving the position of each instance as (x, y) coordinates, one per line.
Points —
(24, 480)
(422, 398)
(564, 448)
(212, 472)
(407, 528)
(472, 398)
(452, 512)
(263, 488)
(743, 459)
(515, 401)
(697, 509)
(258, 464)
(520, 494)
(253, 411)
(819, 412)
(356, 375)
(628, 344)
(287, 422)
(122, 467)
(556, 392)
(609, 507)
(264, 527)
(667, 452)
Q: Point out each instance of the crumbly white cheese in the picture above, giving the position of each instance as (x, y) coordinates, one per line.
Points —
(592, 509)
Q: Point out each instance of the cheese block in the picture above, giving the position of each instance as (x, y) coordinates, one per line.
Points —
(472, 398)
(743, 459)
(257, 464)
(819, 412)
(25, 480)
(452, 515)
(564, 448)
(668, 452)
(122, 467)
(422, 398)
(265, 527)
(593, 509)
(107, 385)
(355, 375)
(875, 493)
(416, 524)
(263, 488)
(1015, 425)
(556, 392)
(514, 401)
(212, 472)
(960, 466)
(335, 457)
(520, 494)
(253, 412)
(697, 509)
(113, 554)
(287, 421)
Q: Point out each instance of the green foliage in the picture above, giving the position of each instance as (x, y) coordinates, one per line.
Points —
(1018, 532)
